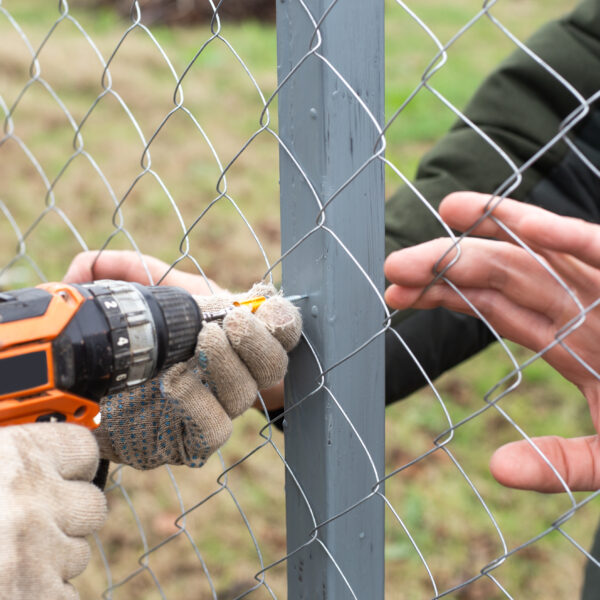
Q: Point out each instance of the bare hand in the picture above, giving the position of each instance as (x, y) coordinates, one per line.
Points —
(127, 265)
(525, 303)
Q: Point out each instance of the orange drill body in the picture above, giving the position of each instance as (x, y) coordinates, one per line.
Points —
(63, 347)
(28, 390)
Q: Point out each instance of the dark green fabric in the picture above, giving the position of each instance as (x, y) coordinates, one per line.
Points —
(441, 339)
(571, 188)
(591, 582)
(520, 106)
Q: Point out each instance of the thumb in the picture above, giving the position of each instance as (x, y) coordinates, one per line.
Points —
(128, 265)
(114, 264)
(576, 460)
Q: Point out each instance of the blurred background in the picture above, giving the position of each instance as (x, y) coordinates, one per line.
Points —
(54, 202)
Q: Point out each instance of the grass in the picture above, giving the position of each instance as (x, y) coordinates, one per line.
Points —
(434, 501)
(544, 403)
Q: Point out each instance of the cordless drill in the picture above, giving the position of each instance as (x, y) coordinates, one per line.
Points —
(64, 346)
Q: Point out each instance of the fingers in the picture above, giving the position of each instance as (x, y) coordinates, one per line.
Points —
(283, 321)
(71, 449)
(38, 557)
(527, 327)
(205, 424)
(563, 241)
(264, 356)
(534, 225)
(261, 288)
(83, 510)
(461, 210)
(128, 265)
(483, 264)
(281, 318)
(78, 558)
(222, 367)
(125, 265)
(76, 451)
(65, 558)
(577, 461)
(174, 418)
(248, 353)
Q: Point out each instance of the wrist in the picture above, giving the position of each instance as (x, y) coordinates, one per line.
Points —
(272, 397)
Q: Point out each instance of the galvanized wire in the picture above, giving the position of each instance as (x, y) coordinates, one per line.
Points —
(33, 222)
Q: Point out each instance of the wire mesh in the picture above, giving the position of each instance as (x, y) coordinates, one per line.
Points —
(101, 149)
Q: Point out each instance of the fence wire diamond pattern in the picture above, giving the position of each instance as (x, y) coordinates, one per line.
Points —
(167, 142)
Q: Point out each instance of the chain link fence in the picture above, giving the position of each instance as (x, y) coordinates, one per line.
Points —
(167, 142)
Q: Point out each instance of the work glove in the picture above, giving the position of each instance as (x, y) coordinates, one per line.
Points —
(184, 415)
(48, 506)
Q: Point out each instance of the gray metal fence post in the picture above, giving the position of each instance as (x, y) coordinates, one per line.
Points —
(326, 137)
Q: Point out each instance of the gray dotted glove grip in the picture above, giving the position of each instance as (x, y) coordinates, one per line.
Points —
(185, 414)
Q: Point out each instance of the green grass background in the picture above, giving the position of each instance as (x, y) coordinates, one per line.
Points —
(431, 497)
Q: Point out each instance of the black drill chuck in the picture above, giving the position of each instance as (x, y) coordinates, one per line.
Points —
(124, 334)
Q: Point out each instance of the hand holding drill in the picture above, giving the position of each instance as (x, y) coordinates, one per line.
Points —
(63, 345)
(167, 377)
(184, 414)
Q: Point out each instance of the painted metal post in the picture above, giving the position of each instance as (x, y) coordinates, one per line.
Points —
(329, 134)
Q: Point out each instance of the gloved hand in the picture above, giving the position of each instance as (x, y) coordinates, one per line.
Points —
(47, 507)
(184, 415)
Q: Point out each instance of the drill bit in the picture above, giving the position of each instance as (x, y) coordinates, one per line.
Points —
(251, 303)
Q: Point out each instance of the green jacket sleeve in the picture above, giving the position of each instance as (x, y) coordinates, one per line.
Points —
(521, 107)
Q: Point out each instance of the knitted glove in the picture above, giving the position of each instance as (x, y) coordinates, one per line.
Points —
(48, 507)
(184, 415)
